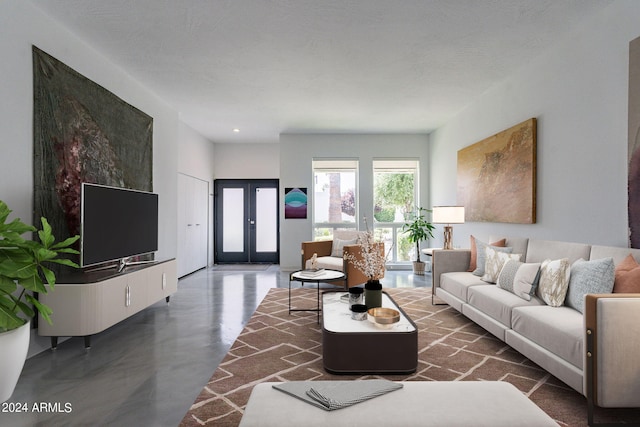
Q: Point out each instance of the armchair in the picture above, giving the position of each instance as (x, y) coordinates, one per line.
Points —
(324, 248)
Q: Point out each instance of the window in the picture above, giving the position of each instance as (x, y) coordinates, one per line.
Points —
(335, 197)
(395, 195)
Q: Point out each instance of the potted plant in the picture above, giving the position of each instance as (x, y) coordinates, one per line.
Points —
(23, 271)
(417, 230)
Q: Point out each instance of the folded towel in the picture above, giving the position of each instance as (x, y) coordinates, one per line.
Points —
(332, 395)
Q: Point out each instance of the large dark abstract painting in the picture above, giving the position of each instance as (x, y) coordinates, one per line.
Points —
(82, 133)
(497, 176)
(634, 143)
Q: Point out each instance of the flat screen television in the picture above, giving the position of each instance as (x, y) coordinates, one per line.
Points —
(116, 224)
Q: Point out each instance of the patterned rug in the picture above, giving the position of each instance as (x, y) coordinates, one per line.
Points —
(276, 346)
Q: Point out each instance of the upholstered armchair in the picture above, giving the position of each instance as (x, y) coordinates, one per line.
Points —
(332, 254)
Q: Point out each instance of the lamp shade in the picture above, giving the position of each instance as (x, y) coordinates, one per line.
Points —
(448, 215)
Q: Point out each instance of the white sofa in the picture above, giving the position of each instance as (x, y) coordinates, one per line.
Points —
(595, 353)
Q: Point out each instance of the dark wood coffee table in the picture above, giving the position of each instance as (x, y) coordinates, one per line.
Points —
(352, 346)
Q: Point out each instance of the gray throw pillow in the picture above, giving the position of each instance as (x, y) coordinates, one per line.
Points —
(526, 280)
(508, 274)
(482, 256)
(589, 277)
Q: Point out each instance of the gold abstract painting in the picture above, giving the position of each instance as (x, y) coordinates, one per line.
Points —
(497, 176)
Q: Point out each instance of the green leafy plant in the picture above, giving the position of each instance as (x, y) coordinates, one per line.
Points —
(23, 268)
(418, 229)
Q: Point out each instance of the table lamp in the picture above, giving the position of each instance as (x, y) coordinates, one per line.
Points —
(448, 215)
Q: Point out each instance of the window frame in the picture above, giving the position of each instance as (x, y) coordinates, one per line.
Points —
(329, 166)
(396, 165)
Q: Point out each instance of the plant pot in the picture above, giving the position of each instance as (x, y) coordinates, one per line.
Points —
(418, 267)
(14, 345)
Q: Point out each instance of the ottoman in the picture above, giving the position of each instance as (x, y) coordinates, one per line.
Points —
(418, 403)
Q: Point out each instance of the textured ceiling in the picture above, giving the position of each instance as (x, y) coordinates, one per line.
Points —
(272, 66)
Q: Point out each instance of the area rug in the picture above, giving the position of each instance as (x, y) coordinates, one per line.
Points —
(276, 346)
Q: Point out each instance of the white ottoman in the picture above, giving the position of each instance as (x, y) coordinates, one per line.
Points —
(418, 403)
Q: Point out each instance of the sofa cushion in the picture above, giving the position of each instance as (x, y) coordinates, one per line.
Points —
(557, 329)
(473, 262)
(554, 281)
(617, 253)
(627, 276)
(328, 262)
(497, 303)
(337, 247)
(526, 280)
(482, 256)
(589, 277)
(457, 283)
(495, 260)
(519, 245)
(539, 250)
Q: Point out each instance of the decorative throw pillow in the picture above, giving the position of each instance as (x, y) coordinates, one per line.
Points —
(627, 276)
(481, 259)
(589, 277)
(337, 247)
(526, 280)
(474, 251)
(495, 260)
(554, 281)
(508, 274)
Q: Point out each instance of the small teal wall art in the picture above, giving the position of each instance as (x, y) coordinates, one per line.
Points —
(295, 202)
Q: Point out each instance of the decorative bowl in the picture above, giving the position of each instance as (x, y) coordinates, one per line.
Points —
(382, 316)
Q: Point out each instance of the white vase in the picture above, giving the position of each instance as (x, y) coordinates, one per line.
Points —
(14, 346)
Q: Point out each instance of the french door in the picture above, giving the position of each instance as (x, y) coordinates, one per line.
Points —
(246, 223)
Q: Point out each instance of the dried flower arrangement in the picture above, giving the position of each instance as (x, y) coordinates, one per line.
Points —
(372, 260)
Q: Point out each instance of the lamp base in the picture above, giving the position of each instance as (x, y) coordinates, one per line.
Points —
(448, 237)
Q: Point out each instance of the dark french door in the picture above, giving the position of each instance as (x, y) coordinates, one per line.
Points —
(246, 222)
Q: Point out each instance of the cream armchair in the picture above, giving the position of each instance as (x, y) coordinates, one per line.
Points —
(331, 255)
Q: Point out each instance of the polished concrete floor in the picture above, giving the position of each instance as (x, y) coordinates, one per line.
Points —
(148, 369)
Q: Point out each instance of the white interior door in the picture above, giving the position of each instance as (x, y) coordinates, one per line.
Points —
(193, 225)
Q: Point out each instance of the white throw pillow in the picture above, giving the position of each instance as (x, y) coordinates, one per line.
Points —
(526, 280)
(554, 281)
(337, 247)
(494, 261)
(481, 251)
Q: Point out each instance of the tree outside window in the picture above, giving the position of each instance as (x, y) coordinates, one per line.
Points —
(394, 198)
(334, 196)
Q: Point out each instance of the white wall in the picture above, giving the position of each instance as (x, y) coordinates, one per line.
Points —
(578, 92)
(296, 154)
(21, 26)
(196, 154)
(247, 161)
(196, 158)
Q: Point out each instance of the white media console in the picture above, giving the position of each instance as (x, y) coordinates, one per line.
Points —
(87, 303)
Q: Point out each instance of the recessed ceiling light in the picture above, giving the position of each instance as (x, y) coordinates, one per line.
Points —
(236, 130)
